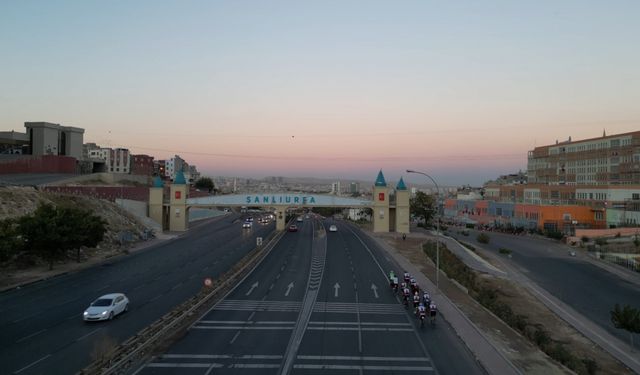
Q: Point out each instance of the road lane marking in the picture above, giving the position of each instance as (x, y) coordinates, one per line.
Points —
(253, 286)
(259, 356)
(243, 322)
(196, 356)
(289, 287)
(32, 364)
(30, 336)
(372, 329)
(103, 288)
(176, 286)
(88, 334)
(400, 369)
(187, 365)
(234, 337)
(254, 365)
(362, 358)
(252, 327)
(27, 317)
(155, 298)
(252, 315)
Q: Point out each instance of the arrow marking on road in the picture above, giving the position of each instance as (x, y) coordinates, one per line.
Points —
(289, 287)
(336, 287)
(255, 285)
(375, 289)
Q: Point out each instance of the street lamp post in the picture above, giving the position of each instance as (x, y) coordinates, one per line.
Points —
(437, 226)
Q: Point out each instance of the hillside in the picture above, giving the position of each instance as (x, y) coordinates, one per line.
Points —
(123, 231)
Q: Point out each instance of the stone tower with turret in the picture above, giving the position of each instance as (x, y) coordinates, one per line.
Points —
(402, 208)
(380, 205)
(178, 204)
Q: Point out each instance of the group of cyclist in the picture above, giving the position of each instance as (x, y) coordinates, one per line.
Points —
(411, 292)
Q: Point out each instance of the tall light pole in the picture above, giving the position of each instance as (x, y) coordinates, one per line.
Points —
(437, 226)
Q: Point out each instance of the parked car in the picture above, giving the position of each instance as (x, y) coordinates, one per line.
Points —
(333, 228)
(106, 307)
(293, 228)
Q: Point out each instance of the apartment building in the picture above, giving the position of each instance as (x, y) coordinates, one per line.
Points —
(116, 160)
(607, 160)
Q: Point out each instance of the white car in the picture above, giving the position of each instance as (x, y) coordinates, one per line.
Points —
(333, 228)
(106, 307)
(246, 224)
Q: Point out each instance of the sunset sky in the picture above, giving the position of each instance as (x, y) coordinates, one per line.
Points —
(338, 89)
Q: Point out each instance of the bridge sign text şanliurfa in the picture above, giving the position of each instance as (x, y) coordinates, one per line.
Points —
(280, 199)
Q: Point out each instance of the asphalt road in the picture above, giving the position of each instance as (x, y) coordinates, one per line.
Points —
(318, 303)
(588, 289)
(41, 324)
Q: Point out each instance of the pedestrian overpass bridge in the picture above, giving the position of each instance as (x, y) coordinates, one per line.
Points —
(173, 213)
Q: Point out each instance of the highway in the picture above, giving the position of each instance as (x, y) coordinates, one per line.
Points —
(587, 288)
(41, 324)
(318, 303)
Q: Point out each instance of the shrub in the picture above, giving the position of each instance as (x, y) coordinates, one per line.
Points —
(591, 366)
(555, 234)
(502, 250)
(483, 238)
(584, 239)
(541, 337)
(601, 241)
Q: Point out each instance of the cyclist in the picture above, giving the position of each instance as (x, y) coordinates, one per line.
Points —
(407, 277)
(394, 283)
(426, 298)
(405, 295)
(421, 313)
(432, 312)
(416, 299)
(413, 283)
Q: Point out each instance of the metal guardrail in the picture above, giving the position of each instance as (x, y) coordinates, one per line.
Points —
(628, 263)
(127, 355)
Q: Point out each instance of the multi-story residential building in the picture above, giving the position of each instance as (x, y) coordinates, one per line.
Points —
(354, 188)
(335, 188)
(115, 160)
(159, 168)
(142, 165)
(607, 160)
(173, 165)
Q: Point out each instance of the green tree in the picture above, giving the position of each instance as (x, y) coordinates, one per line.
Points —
(50, 232)
(205, 183)
(10, 242)
(627, 318)
(423, 206)
(80, 228)
(40, 234)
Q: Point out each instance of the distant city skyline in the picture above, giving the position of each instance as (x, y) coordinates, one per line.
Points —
(332, 89)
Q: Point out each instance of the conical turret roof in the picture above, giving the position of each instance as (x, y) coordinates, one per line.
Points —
(179, 180)
(380, 179)
(401, 185)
